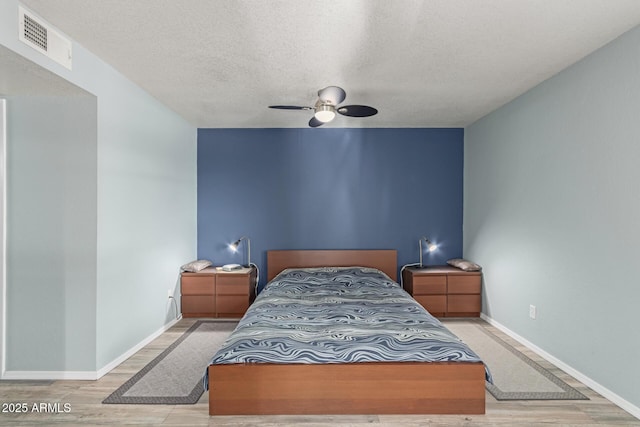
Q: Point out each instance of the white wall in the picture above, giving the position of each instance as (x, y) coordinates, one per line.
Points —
(552, 201)
(145, 199)
(51, 238)
(146, 215)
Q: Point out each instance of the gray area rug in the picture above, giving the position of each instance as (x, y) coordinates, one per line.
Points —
(515, 376)
(175, 376)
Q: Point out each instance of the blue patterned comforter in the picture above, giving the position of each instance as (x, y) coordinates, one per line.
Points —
(339, 315)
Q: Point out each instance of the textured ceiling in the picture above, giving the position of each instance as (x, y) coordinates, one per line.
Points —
(431, 63)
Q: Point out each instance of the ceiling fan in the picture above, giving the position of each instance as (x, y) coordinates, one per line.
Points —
(326, 107)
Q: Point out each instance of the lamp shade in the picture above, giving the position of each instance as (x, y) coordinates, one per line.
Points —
(325, 113)
(234, 247)
(431, 247)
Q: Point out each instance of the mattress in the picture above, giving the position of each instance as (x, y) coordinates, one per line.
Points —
(339, 315)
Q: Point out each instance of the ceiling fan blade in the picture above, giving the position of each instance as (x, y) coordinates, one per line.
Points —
(314, 123)
(332, 94)
(357, 111)
(289, 107)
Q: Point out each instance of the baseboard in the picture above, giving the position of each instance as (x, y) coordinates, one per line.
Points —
(598, 388)
(86, 375)
(49, 375)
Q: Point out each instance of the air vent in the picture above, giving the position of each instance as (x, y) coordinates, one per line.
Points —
(35, 33)
(38, 34)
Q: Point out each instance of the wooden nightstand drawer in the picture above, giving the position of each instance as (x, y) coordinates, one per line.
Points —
(429, 288)
(429, 279)
(232, 305)
(468, 284)
(463, 305)
(198, 285)
(434, 304)
(226, 288)
(229, 280)
(198, 305)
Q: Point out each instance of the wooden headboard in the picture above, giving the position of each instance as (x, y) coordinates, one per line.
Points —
(385, 260)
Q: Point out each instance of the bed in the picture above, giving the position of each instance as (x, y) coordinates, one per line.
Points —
(333, 333)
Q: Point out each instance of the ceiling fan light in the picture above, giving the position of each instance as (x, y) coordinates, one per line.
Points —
(325, 113)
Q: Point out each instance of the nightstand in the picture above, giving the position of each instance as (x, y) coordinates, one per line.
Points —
(215, 293)
(445, 291)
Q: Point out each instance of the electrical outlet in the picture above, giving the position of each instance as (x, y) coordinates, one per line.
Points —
(532, 311)
(169, 293)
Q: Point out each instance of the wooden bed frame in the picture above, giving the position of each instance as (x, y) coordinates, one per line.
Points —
(348, 388)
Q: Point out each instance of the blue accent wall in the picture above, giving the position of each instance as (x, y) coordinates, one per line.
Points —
(329, 189)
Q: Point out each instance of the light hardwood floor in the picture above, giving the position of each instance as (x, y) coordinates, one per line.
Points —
(85, 408)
